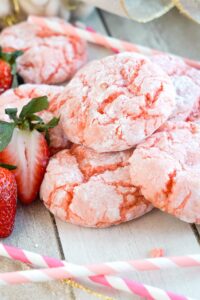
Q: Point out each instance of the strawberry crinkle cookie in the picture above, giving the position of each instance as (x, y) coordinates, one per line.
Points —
(166, 167)
(92, 189)
(113, 103)
(21, 95)
(48, 57)
(186, 81)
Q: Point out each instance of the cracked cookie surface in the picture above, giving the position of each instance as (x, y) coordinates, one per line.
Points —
(167, 169)
(186, 81)
(48, 57)
(92, 189)
(113, 103)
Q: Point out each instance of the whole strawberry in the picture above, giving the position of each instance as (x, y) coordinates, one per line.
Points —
(8, 72)
(8, 202)
(22, 144)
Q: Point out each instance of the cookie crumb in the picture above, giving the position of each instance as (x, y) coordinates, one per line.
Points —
(157, 252)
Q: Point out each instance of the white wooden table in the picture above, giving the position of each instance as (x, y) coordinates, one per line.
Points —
(38, 231)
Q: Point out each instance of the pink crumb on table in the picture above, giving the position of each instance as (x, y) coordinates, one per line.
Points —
(113, 103)
(157, 252)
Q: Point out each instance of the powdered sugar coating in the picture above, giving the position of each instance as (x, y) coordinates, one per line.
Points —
(186, 81)
(195, 114)
(21, 95)
(187, 97)
(48, 57)
(167, 169)
(91, 189)
(113, 103)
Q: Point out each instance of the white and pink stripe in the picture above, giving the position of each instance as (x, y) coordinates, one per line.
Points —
(118, 283)
(99, 273)
(107, 268)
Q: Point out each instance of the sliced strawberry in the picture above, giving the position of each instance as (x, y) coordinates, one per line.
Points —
(8, 202)
(28, 150)
(22, 144)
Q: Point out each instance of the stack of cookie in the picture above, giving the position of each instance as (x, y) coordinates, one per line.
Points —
(125, 159)
(128, 132)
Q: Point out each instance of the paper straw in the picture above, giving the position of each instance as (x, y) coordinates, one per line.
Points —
(122, 284)
(107, 268)
(68, 270)
(116, 45)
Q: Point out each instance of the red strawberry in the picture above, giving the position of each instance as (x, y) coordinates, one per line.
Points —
(8, 202)
(5, 76)
(28, 150)
(22, 144)
(8, 69)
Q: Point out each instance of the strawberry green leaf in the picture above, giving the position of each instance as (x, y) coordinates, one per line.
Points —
(6, 132)
(8, 167)
(15, 55)
(12, 112)
(34, 106)
(41, 127)
(10, 57)
(15, 82)
(53, 122)
(14, 69)
(35, 118)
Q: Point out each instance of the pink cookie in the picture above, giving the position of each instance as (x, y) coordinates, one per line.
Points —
(91, 189)
(195, 114)
(186, 81)
(20, 96)
(167, 169)
(112, 104)
(48, 57)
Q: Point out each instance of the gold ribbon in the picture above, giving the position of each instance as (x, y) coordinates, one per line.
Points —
(151, 17)
(85, 289)
(71, 4)
(15, 16)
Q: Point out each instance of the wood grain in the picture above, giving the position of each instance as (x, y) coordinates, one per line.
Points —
(33, 224)
(33, 231)
(135, 240)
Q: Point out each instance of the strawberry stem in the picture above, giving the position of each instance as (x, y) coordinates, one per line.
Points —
(27, 120)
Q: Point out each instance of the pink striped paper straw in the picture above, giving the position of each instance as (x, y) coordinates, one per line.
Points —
(114, 44)
(93, 272)
(127, 285)
(107, 268)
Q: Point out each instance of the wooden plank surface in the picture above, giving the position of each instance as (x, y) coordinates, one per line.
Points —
(34, 231)
(134, 239)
